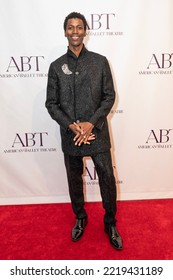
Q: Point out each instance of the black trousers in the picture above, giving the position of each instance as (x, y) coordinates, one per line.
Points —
(103, 164)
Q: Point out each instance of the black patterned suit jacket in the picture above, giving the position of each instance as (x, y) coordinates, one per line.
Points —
(81, 89)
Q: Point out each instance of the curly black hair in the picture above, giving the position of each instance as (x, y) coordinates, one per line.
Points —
(76, 15)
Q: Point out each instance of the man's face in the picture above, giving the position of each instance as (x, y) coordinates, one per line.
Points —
(75, 32)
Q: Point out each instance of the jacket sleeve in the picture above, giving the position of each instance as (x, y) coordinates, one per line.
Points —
(107, 99)
(52, 100)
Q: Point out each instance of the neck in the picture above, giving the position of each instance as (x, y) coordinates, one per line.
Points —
(76, 50)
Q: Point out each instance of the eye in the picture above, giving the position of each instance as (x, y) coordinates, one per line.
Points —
(70, 28)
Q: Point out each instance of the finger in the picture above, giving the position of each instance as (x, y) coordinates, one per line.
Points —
(83, 139)
(79, 141)
(92, 137)
(76, 136)
(87, 143)
(78, 128)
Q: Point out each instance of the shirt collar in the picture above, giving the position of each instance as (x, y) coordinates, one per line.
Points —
(83, 51)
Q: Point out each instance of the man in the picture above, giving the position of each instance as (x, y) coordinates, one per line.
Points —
(80, 94)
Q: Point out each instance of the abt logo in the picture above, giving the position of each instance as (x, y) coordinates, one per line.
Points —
(25, 63)
(91, 173)
(29, 139)
(161, 136)
(101, 21)
(162, 61)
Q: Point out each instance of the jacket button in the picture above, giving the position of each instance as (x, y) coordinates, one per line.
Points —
(77, 73)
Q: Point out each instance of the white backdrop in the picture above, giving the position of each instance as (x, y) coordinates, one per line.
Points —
(136, 37)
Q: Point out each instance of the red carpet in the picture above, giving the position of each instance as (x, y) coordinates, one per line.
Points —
(41, 232)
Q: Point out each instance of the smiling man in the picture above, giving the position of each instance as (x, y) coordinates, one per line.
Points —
(80, 95)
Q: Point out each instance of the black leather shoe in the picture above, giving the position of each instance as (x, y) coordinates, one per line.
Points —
(78, 229)
(114, 236)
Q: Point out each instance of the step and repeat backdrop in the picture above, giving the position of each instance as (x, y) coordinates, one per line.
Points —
(136, 37)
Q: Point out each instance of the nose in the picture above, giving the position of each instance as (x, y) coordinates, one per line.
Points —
(75, 30)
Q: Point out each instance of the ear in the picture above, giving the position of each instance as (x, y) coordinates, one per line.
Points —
(65, 34)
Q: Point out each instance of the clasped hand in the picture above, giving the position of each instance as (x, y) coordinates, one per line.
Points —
(83, 132)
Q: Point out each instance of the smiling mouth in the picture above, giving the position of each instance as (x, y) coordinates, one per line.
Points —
(75, 37)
